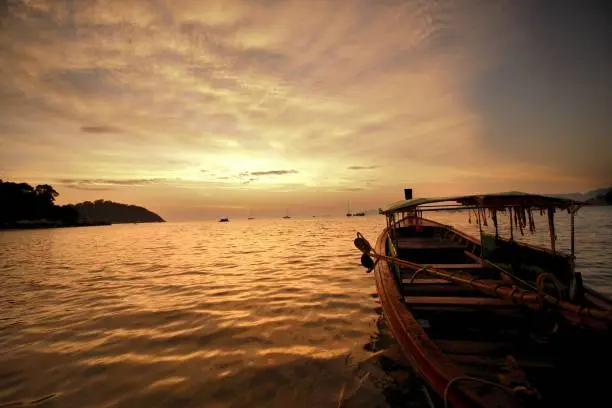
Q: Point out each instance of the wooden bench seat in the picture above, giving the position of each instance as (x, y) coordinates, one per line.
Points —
(457, 266)
(431, 281)
(468, 346)
(427, 243)
(437, 290)
(456, 301)
(499, 362)
(427, 281)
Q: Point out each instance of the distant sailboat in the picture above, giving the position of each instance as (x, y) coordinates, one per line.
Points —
(348, 209)
(251, 214)
(286, 214)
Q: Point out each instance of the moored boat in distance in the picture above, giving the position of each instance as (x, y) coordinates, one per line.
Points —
(223, 219)
(491, 322)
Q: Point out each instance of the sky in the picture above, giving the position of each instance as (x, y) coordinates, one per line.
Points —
(201, 108)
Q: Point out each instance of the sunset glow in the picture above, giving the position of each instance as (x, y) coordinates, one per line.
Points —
(197, 109)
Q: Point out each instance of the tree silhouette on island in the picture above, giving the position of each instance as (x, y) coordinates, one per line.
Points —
(24, 206)
(115, 213)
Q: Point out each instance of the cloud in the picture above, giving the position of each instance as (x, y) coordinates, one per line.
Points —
(351, 189)
(100, 129)
(441, 89)
(535, 97)
(362, 167)
(88, 188)
(84, 81)
(99, 183)
(272, 172)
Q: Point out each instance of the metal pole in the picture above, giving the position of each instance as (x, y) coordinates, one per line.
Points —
(511, 227)
(494, 216)
(551, 228)
(572, 248)
(480, 221)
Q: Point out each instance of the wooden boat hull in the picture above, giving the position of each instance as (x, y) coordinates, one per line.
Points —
(428, 331)
(408, 333)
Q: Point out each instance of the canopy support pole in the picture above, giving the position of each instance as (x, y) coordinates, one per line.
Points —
(572, 230)
(494, 216)
(551, 228)
(511, 226)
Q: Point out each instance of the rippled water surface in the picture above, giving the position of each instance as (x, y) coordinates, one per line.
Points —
(246, 313)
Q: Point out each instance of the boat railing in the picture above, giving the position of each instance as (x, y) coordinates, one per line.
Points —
(520, 218)
(531, 246)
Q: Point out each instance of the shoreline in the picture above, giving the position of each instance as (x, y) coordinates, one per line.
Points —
(28, 225)
(47, 225)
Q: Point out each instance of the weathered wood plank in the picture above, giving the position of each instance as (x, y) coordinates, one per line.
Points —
(466, 310)
(457, 266)
(468, 347)
(430, 281)
(436, 289)
(427, 281)
(488, 361)
(423, 243)
(457, 301)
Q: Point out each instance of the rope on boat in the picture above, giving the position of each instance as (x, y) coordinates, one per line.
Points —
(512, 391)
(540, 285)
(427, 397)
(414, 275)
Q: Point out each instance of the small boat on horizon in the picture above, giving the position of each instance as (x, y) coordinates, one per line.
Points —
(348, 209)
(491, 322)
(224, 220)
(286, 216)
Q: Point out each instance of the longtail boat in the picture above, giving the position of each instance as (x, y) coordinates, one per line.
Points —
(492, 322)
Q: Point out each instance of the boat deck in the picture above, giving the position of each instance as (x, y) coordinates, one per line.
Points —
(489, 338)
(427, 243)
(461, 330)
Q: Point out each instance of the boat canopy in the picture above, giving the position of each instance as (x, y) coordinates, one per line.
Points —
(498, 201)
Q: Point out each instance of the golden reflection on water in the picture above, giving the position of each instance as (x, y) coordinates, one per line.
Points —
(245, 313)
(167, 382)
